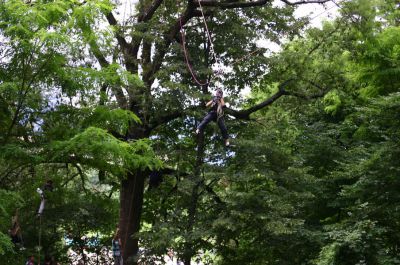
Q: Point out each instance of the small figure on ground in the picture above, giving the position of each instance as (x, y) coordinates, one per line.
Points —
(15, 231)
(30, 261)
(169, 260)
(116, 248)
(216, 114)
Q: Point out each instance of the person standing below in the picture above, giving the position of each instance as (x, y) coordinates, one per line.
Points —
(215, 114)
(116, 248)
(30, 261)
(15, 231)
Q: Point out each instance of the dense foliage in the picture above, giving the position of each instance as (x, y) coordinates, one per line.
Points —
(311, 179)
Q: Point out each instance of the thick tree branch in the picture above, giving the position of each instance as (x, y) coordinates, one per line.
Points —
(113, 22)
(146, 59)
(119, 94)
(197, 13)
(305, 2)
(128, 50)
(143, 17)
(150, 11)
(239, 114)
(227, 5)
(103, 91)
(245, 4)
(169, 36)
(245, 114)
(94, 48)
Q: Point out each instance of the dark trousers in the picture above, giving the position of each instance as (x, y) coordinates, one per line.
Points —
(118, 260)
(212, 116)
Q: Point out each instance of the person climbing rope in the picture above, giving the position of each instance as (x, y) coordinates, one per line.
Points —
(116, 248)
(216, 114)
(46, 187)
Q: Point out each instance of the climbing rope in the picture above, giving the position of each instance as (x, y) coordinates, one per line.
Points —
(40, 237)
(189, 66)
(218, 71)
(213, 54)
(212, 50)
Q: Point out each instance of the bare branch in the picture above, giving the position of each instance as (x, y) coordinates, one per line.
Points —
(305, 2)
(228, 5)
(95, 49)
(209, 189)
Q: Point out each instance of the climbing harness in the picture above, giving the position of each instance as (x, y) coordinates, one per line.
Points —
(220, 112)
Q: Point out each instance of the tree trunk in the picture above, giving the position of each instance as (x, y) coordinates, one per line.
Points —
(192, 208)
(131, 201)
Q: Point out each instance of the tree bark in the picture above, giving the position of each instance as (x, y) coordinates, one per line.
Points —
(192, 208)
(131, 201)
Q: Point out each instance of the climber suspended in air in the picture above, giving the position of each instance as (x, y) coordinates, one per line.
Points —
(217, 103)
(46, 187)
(216, 114)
